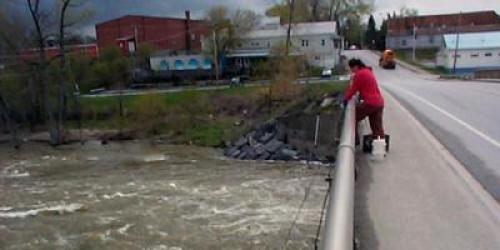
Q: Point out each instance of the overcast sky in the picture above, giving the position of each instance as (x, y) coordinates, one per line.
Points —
(108, 9)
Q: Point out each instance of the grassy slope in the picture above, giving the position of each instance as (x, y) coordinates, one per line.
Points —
(190, 116)
(421, 55)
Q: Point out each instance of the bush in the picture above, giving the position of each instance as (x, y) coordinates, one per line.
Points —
(149, 113)
(283, 87)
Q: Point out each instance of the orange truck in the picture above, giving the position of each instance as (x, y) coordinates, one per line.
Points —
(386, 60)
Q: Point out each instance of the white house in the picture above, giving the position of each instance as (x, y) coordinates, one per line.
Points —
(475, 52)
(318, 42)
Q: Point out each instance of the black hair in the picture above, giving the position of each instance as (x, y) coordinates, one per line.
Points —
(356, 62)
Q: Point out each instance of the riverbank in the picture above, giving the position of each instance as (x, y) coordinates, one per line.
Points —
(205, 118)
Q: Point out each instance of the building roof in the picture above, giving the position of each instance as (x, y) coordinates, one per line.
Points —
(299, 29)
(478, 40)
(147, 17)
(445, 30)
(441, 23)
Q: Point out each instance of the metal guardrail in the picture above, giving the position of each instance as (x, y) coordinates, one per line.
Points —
(339, 222)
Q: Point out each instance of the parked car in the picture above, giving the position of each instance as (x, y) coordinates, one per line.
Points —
(387, 60)
(326, 73)
(353, 47)
(239, 80)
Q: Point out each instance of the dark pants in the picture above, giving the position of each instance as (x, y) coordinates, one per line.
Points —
(374, 114)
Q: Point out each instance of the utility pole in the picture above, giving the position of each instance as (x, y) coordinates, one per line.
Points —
(216, 58)
(136, 44)
(413, 56)
(457, 38)
(291, 3)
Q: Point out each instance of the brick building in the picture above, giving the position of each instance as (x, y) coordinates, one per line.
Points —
(162, 33)
(429, 29)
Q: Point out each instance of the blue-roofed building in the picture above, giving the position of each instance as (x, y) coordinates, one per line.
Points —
(168, 65)
(475, 52)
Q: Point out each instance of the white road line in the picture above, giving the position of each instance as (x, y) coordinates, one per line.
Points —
(449, 115)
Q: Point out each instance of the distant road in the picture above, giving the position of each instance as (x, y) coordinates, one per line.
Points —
(463, 115)
(132, 92)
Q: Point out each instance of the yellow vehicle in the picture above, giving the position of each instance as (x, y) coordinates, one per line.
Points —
(386, 60)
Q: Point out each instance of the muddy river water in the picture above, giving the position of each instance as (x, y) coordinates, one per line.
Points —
(141, 196)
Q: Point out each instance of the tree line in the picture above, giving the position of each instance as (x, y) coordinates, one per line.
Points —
(38, 90)
(43, 92)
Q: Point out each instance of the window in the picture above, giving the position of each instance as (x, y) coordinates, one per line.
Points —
(474, 55)
(457, 55)
(487, 54)
(193, 64)
(179, 65)
(305, 43)
(316, 58)
(403, 42)
(269, 44)
(323, 42)
(431, 39)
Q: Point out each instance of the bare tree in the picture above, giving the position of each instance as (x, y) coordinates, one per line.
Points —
(39, 17)
(227, 29)
(291, 4)
(62, 85)
(13, 39)
(6, 116)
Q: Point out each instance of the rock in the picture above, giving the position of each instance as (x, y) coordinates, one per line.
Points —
(266, 137)
(273, 146)
(290, 152)
(280, 157)
(242, 156)
(251, 154)
(235, 154)
(242, 141)
(259, 149)
(282, 135)
(269, 127)
(285, 155)
(230, 151)
(258, 134)
(327, 102)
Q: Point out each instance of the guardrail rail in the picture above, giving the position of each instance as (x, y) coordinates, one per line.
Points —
(339, 222)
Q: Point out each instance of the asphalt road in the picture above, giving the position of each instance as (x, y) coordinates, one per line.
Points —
(463, 115)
